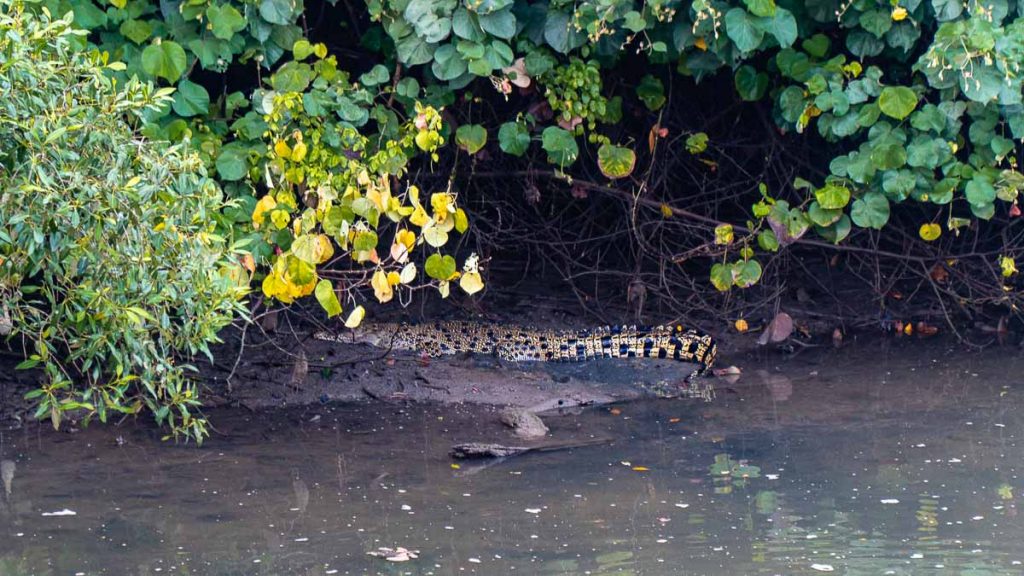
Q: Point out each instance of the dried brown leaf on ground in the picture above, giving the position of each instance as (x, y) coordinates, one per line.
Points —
(778, 329)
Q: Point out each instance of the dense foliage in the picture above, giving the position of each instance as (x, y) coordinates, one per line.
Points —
(922, 98)
(347, 134)
(110, 264)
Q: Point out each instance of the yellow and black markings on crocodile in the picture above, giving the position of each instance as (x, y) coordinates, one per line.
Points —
(520, 344)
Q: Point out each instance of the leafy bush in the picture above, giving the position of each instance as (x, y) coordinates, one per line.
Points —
(921, 101)
(110, 264)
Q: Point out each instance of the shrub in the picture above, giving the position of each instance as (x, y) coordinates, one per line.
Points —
(110, 264)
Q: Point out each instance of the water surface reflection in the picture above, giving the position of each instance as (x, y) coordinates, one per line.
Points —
(876, 460)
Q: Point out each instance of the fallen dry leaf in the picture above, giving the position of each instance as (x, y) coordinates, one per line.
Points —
(837, 337)
(778, 329)
(741, 325)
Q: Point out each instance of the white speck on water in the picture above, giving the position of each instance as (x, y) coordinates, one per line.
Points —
(467, 495)
(812, 536)
(920, 445)
(917, 555)
(406, 507)
(822, 567)
(976, 518)
(331, 571)
(302, 539)
(954, 461)
(681, 505)
(772, 476)
(474, 560)
(64, 512)
(533, 510)
(890, 501)
(449, 527)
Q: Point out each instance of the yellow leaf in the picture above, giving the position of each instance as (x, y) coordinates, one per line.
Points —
(666, 211)
(908, 329)
(461, 221)
(701, 44)
(394, 278)
(471, 282)
(443, 204)
(408, 273)
(741, 325)
(355, 318)
(381, 288)
(640, 468)
(1008, 265)
(444, 288)
(299, 152)
(435, 236)
(280, 219)
(282, 149)
(324, 249)
(899, 13)
(930, 232)
(266, 204)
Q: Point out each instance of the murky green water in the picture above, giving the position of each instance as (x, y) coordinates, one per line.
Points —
(880, 460)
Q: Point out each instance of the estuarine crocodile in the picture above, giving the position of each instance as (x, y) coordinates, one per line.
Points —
(521, 344)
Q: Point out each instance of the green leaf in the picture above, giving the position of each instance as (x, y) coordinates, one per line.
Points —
(823, 216)
(439, 267)
(471, 137)
(448, 63)
(225, 20)
(138, 31)
(164, 59)
(751, 85)
(615, 161)
(742, 30)
(560, 145)
(652, 92)
(721, 276)
(783, 27)
(560, 32)
(980, 191)
(871, 211)
(947, 9)
(634, 22)
(761, 7)
(837, 232)
(277, 11)
(897, 101)
(501, 23)
(697, 143)
(832, 197)
(466, 25)
(325, 295)
(232, 163)
(191, 99)
(816, 45)
(514, 138)
(746, 273)
(376, 76)
(768, 241)
(413, 50)
(292, 77)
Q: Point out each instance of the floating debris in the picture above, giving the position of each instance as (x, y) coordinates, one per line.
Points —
(64, 512)
(399, 554)
(822, 567)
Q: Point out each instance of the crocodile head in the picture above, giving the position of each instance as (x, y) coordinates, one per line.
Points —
(378, 335)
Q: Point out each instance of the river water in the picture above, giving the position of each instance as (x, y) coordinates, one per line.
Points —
(884, 458)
